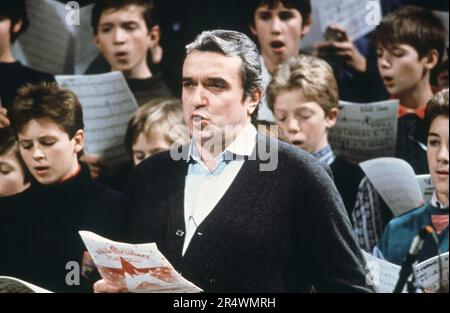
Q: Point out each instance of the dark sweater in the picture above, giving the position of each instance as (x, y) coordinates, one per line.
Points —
(148, 89)
(15, 75)
(411, 130)
(347, 178)
(279, 231)
(39, 229)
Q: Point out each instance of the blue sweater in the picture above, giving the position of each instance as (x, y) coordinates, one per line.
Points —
(399, 233)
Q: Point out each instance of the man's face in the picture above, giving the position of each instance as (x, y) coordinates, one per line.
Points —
(303, 122)
(438, 156)
(123, 39)
(11, 174)
(401, 69)
(213, 95)
(5, 37)
(48, 152)
(279, 32)
(148, 146)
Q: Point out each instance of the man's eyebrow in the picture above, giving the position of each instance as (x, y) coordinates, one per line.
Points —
(433, 135)
(217, 80)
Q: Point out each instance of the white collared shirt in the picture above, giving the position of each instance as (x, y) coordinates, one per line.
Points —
(205, 188)
(436, 203)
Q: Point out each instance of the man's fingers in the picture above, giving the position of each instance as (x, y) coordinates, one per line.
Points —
(102, 286)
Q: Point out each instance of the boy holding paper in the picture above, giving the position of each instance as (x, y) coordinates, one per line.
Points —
(410, 44)
(39, 227)
(399, 233)
(304, 97)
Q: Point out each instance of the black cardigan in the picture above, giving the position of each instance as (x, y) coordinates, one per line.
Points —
(39, 229)
(280, 231)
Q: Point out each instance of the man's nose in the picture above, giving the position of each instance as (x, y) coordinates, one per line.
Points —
(199, 97)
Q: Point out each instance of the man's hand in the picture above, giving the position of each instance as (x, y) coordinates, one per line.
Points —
(4, 121)
(341, 47)
(95, 162)
(102, 286)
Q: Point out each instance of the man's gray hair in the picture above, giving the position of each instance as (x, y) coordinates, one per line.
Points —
(232, 43)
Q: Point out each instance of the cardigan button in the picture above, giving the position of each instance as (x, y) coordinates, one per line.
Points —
(179, 233)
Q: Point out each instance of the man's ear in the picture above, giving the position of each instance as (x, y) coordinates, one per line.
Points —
(79, 141)
(331, 119)
(154, 36)
(431, 59)
(307, 25)
(253, 100)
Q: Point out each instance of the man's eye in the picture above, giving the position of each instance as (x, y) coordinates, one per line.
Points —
(216, 86)
(105, 30)
(188, 85)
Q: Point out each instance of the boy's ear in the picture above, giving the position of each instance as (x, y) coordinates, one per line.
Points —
(96, 41)
(307, 25)
(79, 141)
(154, 36)
(253, 30)
(431, 59)
(331, 119)
(17, 27)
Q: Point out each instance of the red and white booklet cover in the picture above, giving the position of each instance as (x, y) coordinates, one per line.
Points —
(137, 268)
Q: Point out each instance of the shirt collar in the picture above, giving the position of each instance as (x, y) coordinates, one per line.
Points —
(402, 111)
(243, 145)
(325, 155)
(436, 203)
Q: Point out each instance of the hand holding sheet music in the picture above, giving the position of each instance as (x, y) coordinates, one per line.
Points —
(430, 275)
(135, 268)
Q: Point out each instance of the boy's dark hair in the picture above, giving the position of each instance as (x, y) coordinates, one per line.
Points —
(47, 100)
(437, 106)
(303, 6)
(414, 26)
(16, 11)
(149, 11)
